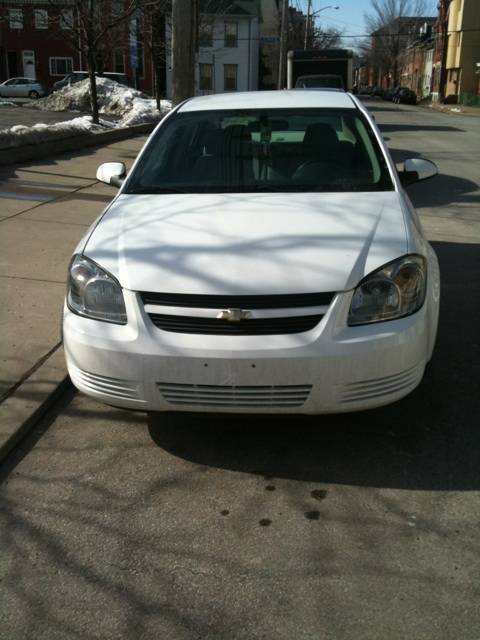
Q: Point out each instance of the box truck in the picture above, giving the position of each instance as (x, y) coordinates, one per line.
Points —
(328, 68)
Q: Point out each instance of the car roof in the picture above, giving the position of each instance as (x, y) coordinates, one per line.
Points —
(21, 78)
(287, 99)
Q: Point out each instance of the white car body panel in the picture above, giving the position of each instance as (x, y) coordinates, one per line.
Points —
(261, 243)
(267, 243)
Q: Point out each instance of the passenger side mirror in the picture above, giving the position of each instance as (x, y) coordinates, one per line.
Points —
(112, 173)
(417, 169)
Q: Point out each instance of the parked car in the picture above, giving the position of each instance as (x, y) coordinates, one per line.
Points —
(320, 81)
(77, 76)
(22, 88)
(390, 93)
(405, 96)
(260, 256)
(366, 90)
(378, 92)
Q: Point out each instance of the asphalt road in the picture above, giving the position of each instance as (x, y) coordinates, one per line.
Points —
(11, 116)
(355, 527)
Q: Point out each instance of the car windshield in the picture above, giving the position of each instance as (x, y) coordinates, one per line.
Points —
(318, 82)
(235, 151)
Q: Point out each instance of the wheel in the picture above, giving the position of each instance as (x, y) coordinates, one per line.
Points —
(34, 95)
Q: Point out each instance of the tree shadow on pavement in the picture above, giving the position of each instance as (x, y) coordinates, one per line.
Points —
(440, 190)
(429, 440)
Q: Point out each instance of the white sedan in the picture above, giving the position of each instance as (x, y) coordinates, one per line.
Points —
(261, 256)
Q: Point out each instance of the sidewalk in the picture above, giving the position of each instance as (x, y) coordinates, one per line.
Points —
(45, 208)
(452, 108)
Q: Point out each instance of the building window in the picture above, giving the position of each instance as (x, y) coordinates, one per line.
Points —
(119, 61)
(231, 34)
(41, 18)
(15, 19)
(230, 77)
(205, 37)
(206, 77)
(66, 19)
(60, 66)
(117, 8)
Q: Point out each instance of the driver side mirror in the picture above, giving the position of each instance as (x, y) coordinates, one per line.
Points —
(112, 173)
(417, 169)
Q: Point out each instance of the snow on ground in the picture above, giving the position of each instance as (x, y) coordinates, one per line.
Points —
(19, 134)
(6, 103)
(130, 105)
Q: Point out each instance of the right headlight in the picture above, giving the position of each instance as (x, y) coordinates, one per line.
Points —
(94, 293)
(394, 291)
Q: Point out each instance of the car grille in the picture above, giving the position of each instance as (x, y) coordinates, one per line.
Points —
(250, 327)
(202, 324)
(274, 301)
(234, 396)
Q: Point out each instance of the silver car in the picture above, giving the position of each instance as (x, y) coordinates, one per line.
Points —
(22, 88)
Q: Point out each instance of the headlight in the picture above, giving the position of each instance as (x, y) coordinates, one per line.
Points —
(94, 293)
(393, 291)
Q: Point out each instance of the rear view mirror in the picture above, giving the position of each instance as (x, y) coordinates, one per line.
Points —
(416, 169)
(112, 173)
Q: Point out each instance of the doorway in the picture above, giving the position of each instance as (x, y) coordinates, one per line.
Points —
(28, 58)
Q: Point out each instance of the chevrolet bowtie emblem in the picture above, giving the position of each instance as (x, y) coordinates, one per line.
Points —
(233, 315)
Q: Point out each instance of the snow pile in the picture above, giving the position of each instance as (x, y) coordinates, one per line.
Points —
(130, 105)
(39, 133)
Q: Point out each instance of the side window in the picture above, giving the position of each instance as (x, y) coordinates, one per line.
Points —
(15, 19)
(205, 36)
(40, 18)
(206, 77)
(230, 77)
(370, 152)
(231, 34)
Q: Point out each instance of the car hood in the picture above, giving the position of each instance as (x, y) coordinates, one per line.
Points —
(248, 243)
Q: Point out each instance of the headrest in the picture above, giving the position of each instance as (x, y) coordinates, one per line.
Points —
(320, 134)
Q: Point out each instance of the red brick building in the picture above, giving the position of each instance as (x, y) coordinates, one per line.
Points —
(35, 41)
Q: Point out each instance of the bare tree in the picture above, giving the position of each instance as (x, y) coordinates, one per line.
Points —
(326, 38)
(156, 14)
(87, 25)
(391, 23)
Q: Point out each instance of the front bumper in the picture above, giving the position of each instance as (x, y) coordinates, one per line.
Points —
(331, 368)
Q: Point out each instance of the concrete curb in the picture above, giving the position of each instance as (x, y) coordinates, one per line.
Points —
(14, 155)
(28, 403)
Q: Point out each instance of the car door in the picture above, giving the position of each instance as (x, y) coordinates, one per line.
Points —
(23, 87)
(8, 89)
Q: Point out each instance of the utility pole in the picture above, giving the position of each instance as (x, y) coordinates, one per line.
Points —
(183, 49)
(282, 62)
(307, 25)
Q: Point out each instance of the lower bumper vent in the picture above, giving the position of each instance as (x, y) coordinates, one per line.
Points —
(234, 396)
(114, 387)
(377, 387)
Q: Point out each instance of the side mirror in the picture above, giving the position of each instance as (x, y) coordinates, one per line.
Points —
(416, 169)
(112, 173)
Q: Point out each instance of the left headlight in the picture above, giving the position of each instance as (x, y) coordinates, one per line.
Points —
(394, 291)
(93, 293)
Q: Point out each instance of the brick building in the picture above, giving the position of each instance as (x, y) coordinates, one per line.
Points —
(29, 46)
(416, 61)
(35, 42)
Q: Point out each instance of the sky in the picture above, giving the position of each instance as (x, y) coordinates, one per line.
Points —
(349, 17)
